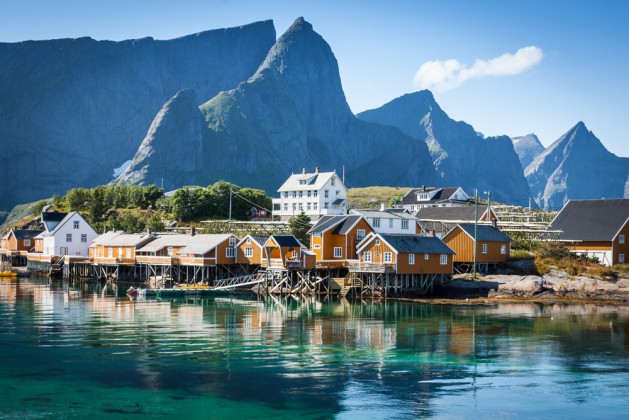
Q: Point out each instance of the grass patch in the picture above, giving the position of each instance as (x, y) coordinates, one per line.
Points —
(372, 197)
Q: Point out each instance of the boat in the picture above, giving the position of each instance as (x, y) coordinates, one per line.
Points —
(8, 274)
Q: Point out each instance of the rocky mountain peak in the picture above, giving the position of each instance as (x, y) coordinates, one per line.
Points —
(527, 147)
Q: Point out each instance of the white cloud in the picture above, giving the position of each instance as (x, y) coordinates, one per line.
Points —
(445, 75)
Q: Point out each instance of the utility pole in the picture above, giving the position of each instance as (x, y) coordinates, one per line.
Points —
(230, 208)
(475, 231)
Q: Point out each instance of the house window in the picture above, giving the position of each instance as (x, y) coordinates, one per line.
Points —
(483, 248)
(128, 252)
(248, 252)
(309, 193)
(388, 257)
(27, 242)
(169, 250)
(503, 249)
(360, 234)
(248, 241)
(314, 206)
(286, 194)
(229, 252)
(68, 237)
(376, 222)
(302, 182)
(367, 256)
(301, 194)
(390, 223)
(412, 208)
(404, 224)
(333, 181)
(426, 257)
(301, 206)
(326, 194)
(317, 234)
(326, 205)
(621, 258)
(621, 239)
(232, 241)
(110, 252)
(338, 194)
(443, 259)
(84, 237)
(377, 241)
(308, 206)
(294, 194)
(285, 206)
(76, 224)
(317, 246)
(411, 259)
(338, 252)
(315, 194)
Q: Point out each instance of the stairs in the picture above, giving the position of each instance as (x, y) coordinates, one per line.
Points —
(344, 291)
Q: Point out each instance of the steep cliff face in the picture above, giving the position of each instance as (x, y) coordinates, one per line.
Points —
(71, 110)
(576, 166)
(527, 147)
(292, 113)
(461, 156)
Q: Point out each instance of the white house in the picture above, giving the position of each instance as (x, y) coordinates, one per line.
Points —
(417, 198)
(316, 194)
(390, 221)
(71, 235)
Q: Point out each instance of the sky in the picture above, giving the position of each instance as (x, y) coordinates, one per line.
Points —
(504, 67)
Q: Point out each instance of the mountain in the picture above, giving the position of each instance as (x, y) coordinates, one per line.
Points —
(72, 110)
(290, 114)
(527, 147)
(577, 166)
(462, 157)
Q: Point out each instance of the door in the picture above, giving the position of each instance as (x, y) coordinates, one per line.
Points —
(64, 250)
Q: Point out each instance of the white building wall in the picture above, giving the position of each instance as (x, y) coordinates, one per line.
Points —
(53, 245)
(313, 205)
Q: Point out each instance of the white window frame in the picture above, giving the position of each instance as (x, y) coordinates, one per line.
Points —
(27, 242)
(377, 241)
(375, 222)
(317, 246)
(503, 249)
(314, 205)
(443, 259)
(326, 205)
(387, 257)
(338, 252)
(326, 194)
(248, 241)
(169, 251)
(411, 259)
(229, 252)
(333, 181)
(75, 224)
(404, 224)
(128, 253)
(84, 237)
(110, 252)
(249, 252)
(232, 241)
(360, 234)
(483, 248)
(426, 257)
(367, 256)
(68, 237)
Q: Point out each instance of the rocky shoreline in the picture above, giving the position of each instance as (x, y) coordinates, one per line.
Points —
(554, 286)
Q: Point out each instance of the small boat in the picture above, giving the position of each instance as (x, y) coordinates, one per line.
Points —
(9, 274)
(175, 292)
(133, 292)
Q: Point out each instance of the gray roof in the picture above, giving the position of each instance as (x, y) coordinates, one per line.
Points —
(417, 244)
(51, 219)
(443, 194)
(25, 233)
(344, 227)
(463, 213)
(314, 181)
(384, 214)
(485, 233)
(591, 220)
(286, 240)
(325, 223)
(119, 238)
(197, 244)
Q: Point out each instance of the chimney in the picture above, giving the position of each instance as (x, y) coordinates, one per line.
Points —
(303, 171)
(423, 188)
(148, 231)
(317, 170)
(494, 223)
(431, 232)
(382, 207)
(193, 231)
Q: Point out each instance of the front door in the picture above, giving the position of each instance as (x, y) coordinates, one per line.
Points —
(64, 250)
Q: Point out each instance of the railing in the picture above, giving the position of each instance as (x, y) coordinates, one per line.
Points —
(334, 263)
(112, 260)
(39, 257)
(371, 267)
(197, 261)
(152, 259)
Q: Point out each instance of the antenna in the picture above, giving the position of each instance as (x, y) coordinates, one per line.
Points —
(343, 174)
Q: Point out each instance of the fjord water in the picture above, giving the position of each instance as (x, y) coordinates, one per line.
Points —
(75, 351)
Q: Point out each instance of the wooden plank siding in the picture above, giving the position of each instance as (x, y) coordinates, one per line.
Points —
(257, 254)
(463, 245)
(622, 248)
(328, 240)
(400, 260)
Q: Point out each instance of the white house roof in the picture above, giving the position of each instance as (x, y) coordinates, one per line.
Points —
(313, 181)
(65, 220)
(384, 214)
(197, 244)
(119, 238)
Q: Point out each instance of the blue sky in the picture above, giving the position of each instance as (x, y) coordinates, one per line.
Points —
(579, 71)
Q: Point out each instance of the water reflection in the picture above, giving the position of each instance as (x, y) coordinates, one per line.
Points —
(314, 358)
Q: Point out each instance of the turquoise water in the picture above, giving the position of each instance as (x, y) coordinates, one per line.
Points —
(72, 351)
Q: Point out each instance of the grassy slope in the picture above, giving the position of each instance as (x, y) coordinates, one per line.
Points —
(372, 197)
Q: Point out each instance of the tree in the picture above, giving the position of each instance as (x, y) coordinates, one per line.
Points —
(155, 224)
(78, 199)
(38, 207)
(299, 226)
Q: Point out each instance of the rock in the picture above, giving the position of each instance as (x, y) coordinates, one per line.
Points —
(72, 110)
(576, 166)
(292, 114)
(527, 148)
(462, 157)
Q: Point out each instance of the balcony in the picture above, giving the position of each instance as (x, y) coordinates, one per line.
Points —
(362, 267)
